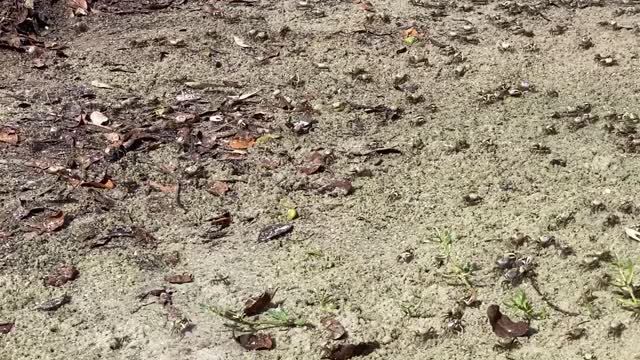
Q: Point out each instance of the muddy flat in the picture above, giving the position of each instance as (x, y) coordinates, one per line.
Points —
(253, 179)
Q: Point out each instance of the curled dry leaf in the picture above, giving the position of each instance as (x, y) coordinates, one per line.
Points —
(240, 42)
(54, 304)
(163, 188)
(255, 341)
(179, 278)
(54, 222)
(338, 187)
(98, 118)
(274, 231)
(503, 326)
(258, 304)
(105, 183)
(348, 351)
(6, 328)
(242, 143)
(632, 233)
(218, 188)
(8, 136)
(315, 162)
(336, 330)
(64, 274)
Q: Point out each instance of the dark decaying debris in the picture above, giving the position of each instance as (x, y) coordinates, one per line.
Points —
(274, 231)
(335, 328)
(505, 327)
(179, 278)
(348, 351)
(54, 304)
(6, 327)
(258, 304)
(64, 274)
(255, 341)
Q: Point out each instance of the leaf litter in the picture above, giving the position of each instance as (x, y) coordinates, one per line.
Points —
(255, 341)
(274, 231)
(348, 351)
(258, 304)
(505, 327)
(63, 274)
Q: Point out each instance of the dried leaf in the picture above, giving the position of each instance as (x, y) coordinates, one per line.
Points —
(503, 326)
(240, 42)
(255, 341)
(274, 231)
(105, 183)
(315, 162)
(348, 351)
(336, 330)
(54, 222)
(54, 304)
(632, 233)
(258, 304)
(98, 118)
(179, 278)
(8, 136)
(163, 188)
(100, 85)
(218, 188)
(242, 143)
(340, 187)
(143, 236)
(222, 220)
(64, 274)
(6, 328)
(410, 32)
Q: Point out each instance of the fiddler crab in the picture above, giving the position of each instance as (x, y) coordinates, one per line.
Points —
(515, 269)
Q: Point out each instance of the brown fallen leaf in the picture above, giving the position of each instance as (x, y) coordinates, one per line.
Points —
(8, 136)
(315, 162)
(6, 328)
(105, 183)
(255, 341)
(163, 188)
(258, 304)
(54, 222)
(143, 236)
(54, 304)
(347, 351)
(338, 187)
(336, 330)
(410, 32)
(218, 188)
(242, 143)
(222, 220)
(179, 278)
(64, 274)
(503, 326)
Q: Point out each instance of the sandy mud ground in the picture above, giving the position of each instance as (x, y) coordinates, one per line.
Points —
(392, 168)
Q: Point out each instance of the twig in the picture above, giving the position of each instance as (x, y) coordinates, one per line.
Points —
(545, 298)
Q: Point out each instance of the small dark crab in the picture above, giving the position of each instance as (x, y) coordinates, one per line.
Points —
(454, 322)
(516, 269)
